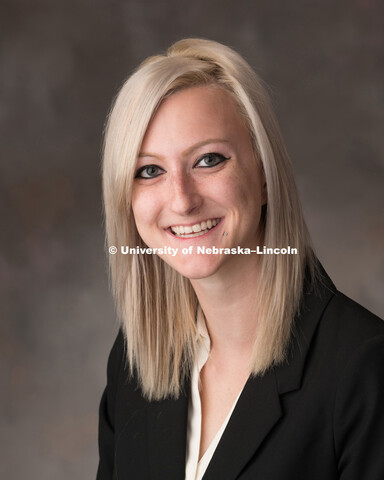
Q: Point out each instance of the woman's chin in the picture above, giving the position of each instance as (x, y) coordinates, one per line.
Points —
(195, 268)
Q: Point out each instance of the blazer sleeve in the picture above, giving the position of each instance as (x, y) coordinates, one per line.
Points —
(359, 414)
(107, 412)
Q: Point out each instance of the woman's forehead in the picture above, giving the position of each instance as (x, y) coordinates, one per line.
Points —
(193, 115)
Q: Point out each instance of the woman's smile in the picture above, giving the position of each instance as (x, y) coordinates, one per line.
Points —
(195, 229)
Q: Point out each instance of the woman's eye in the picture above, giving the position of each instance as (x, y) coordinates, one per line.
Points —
(149, 171)
(210, 160)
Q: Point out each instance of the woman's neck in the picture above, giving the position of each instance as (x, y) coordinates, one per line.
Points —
(228, 300)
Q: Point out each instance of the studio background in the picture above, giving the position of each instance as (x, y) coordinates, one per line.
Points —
(61, 64)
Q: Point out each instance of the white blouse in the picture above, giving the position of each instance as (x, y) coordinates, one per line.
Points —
(195, 469)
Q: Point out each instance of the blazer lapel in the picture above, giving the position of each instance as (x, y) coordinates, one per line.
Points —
(256, 412)
(167, 433)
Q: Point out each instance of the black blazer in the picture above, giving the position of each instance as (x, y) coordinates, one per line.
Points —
(320, 416)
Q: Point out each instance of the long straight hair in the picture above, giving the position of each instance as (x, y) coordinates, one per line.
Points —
(155, 304)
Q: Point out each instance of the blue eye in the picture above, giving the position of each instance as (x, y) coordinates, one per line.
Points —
(149, 171)
(210, 160)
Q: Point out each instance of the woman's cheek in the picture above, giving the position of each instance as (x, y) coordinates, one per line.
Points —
(145, 208)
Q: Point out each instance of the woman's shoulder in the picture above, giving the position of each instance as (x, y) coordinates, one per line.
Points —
(340, 321)
(350, 322)
(122, 380)
(348, 342)
(118, 370)
(336, 330)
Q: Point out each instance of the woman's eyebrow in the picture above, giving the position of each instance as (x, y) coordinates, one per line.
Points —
(189, 150)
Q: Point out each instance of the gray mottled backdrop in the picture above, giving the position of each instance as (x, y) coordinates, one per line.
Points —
(61, 63)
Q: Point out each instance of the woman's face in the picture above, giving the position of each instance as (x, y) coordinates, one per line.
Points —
(196, 178)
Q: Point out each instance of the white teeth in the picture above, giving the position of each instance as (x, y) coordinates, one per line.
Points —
(195, 230)
(197, 234)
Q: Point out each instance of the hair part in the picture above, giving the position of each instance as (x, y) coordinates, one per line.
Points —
(155, 304)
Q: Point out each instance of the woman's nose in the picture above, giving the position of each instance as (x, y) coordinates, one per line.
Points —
(184, 196)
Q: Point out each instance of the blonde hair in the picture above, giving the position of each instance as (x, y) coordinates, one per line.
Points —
(156, 305)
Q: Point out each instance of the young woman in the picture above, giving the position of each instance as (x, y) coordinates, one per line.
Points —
(237, 358)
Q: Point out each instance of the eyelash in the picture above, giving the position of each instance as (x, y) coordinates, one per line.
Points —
(221, 157)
